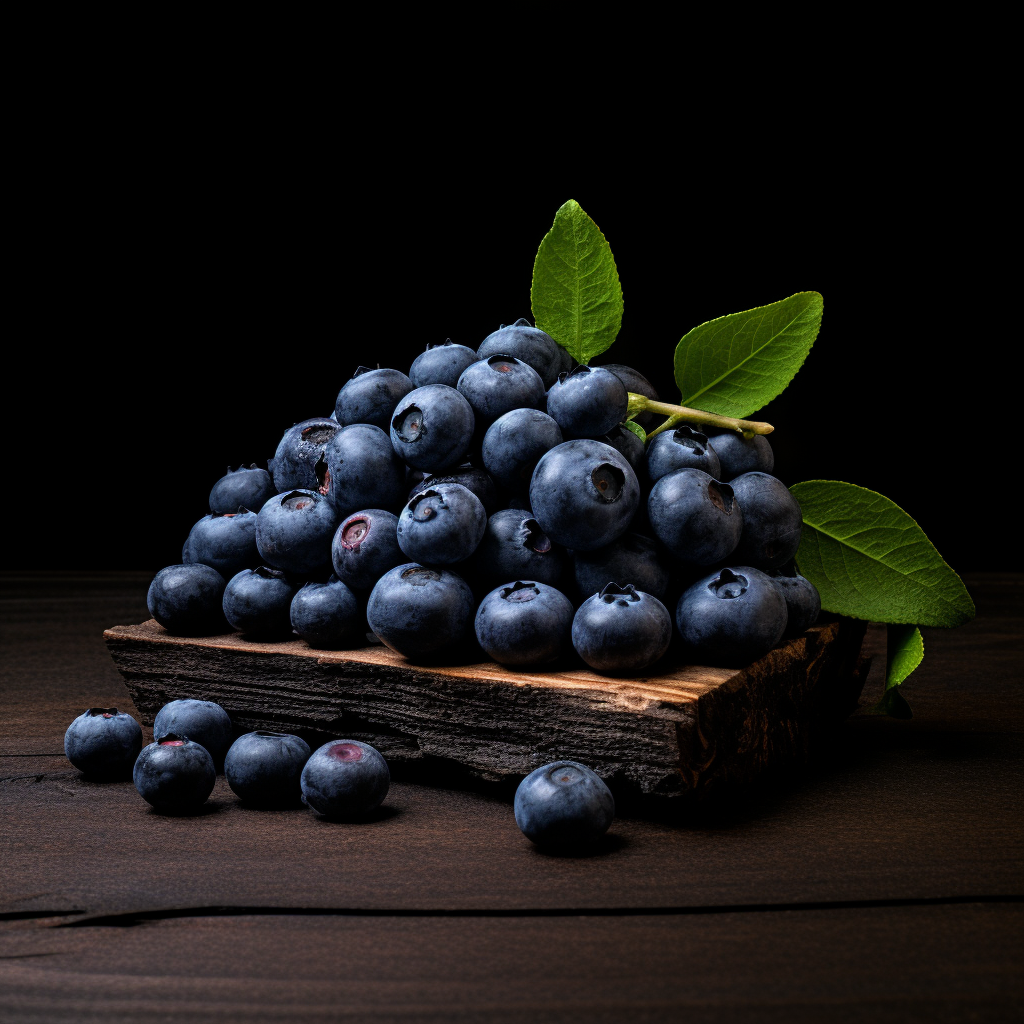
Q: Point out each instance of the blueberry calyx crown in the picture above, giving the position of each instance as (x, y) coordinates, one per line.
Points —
(728, 584)
(566, 374)
(520, 592)
(522, 322)
(360, 370)
(614, 594)
(690, 438)
(408, 424)
(171, 739)
(354, 532)
(101, 712)
(345, 752)
(609, 481)
(565, 774)
(534, 538)
(267, 573)
(420, 576)
(318, 433)
(296, 501)
(422, 509)
(502, 363)
(722, 496)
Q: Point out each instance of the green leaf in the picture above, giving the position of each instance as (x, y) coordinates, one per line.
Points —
(637, 429)
(738, 363)
(904, 652)
(576, 296)
(870, 560)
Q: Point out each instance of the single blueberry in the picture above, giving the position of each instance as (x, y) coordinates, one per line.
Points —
(682, 448)
(174, 774)
(257, 602)
(731, 617)
(442, 525)
(345, 779)
(524, 624)
(695, 516)
(432, 428)
(419, 612)
(186, 600)
(564, 805)
(584, 494)
(530, 344)
(634, 557)
(245, 487)
(203, 721)
(298, 452)
(628, 445)
(327, 615)
(587, 402)
(772, 521)
(441, 364)
(264, 768)
(477, 480)
(497, 385)
(803, 602)
(294, 531)
(225, 541)
(370, 396)
(515, 547)
(365, 546)
(514, 443)
(621, 629)
(738, 454)
(360, 469)
(103, 743)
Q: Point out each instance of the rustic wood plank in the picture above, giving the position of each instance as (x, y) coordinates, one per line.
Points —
(879, 965)
(686, 730)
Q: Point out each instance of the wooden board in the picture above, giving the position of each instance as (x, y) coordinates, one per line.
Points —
(686, 731)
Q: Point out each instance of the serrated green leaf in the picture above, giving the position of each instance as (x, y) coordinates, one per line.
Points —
(637, 429)
(576, 296)
(737, 364)
(870, 560)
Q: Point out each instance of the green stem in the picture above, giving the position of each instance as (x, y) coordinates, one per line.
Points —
(681, 414)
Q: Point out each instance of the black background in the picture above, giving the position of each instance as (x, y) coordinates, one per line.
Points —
(189, 297)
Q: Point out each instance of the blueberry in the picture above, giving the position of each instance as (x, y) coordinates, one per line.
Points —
(327, 614)
(636, 383)
(628, 445)
(584, 494)
(731, 617)
(564, 805)
(621, 629)
(442, 525)
(477, 480)
(514, 547)
(772, 521)
(738, 454)
(365, 547)
(264, 768)
(587, 402)
(530, 344)
(225, 541)
(186, 600)
(245, 487)
(359, 469)
(418, 612)
(695, 516)
(298, 452)
(803, 602)
(258, 602)
(441, 364)
(345, 779)
(497, 385)
(203, 721)
(294, 531)
(370, 396)
(103, 743)
(633, 557)
(514, 443)
(432, 428)
(683, 448)
(175, 774)
(524, 624)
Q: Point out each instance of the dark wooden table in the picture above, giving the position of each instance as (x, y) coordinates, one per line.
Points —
(881, 882)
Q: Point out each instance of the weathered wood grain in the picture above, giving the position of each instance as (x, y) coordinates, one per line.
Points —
(685, 731)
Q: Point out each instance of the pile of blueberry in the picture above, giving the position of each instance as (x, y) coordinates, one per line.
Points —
(494, 500)
(563, 804)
